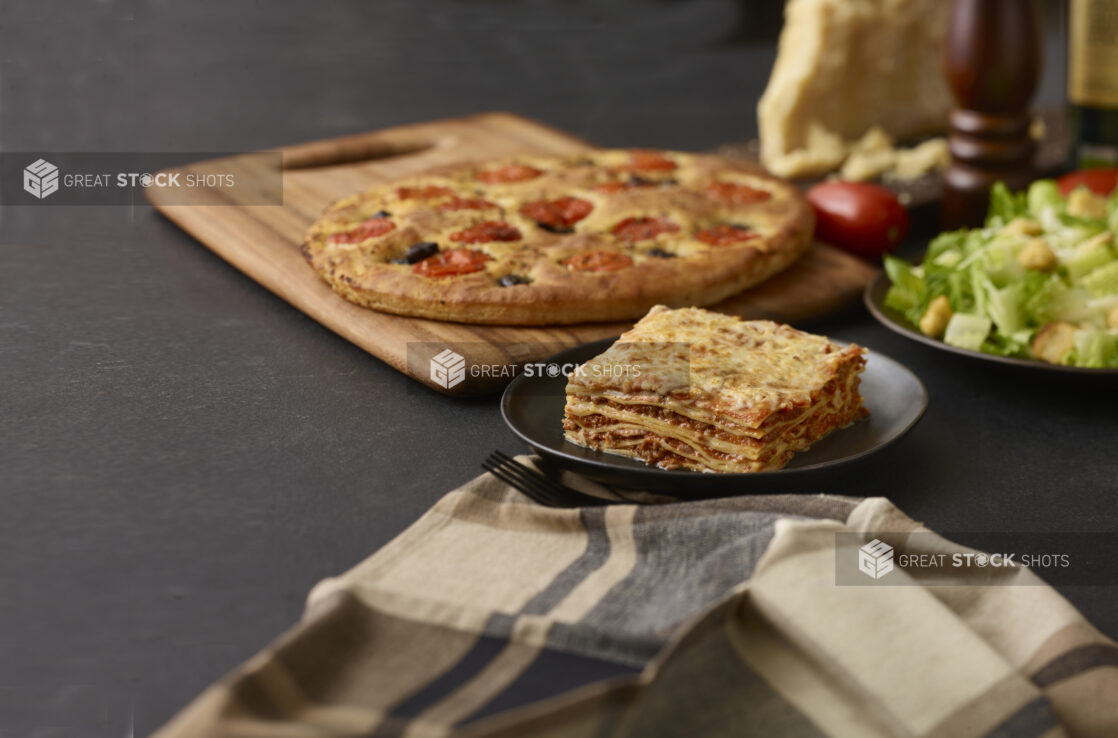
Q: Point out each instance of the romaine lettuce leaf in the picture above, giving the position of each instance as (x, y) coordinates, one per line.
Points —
(1044, 195)
(1096, 349)
(907, 291)
(1103, 280)
(1005, 205)
(968, 331)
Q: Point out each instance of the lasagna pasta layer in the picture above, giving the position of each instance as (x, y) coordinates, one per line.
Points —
(730, 416)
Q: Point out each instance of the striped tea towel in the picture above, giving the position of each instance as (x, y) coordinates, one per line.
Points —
(493, 616)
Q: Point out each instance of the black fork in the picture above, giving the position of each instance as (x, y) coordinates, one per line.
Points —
(535, 485)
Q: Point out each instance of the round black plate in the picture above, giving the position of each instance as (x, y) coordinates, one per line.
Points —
(874, 298)
(533, 409)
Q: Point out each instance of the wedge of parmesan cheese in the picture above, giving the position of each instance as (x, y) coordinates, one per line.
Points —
(844, 67)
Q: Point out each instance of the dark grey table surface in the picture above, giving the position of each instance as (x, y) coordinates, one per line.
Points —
(183, 455)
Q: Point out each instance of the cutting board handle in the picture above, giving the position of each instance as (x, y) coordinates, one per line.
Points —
(362, 147)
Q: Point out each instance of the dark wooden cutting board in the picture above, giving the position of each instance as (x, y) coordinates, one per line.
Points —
(263, 242)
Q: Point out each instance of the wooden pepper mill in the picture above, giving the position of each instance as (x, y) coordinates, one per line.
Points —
(992, 59)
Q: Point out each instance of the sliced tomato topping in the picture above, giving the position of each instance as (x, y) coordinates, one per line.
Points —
(452, 262)
(641, 229)
(557, 214)
(371, 228)
(466, 203)
(627, 184)
(508, 173)
(426, 192)
(725, 234)
(490, 230)
(650, 161)
(598, 261)
(738, 194)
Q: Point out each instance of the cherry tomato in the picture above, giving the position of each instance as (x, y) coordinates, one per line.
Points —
(725, 235)
(466, 203)
(508, 173)
(598, 261)
(650, 161)
(641, 229)
(371, 228)
(557, 215)
(1100, 181)
(490, 230)
(633, 181)
(864, 219)
(737, 194)
(426, 192)
(451, 263)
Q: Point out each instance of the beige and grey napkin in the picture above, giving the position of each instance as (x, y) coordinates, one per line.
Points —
(493, 616)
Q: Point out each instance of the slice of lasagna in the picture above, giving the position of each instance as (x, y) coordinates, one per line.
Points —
(698, 390)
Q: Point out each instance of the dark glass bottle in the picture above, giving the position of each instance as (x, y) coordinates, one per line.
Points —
(1093, 83)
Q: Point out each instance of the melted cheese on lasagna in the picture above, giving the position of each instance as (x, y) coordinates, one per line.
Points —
(701, 390)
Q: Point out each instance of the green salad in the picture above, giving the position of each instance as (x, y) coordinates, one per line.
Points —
(1039, 280)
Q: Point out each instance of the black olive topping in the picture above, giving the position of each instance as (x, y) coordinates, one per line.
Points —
(661, 254)
(382, 214)
(555, 229)
(512, 279)
(401, 260)
(420, 251)
(669, 182)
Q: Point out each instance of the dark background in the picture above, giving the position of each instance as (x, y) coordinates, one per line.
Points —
(182, 455)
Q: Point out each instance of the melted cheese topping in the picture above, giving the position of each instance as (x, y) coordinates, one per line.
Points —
(715, 364)
(711, 392)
